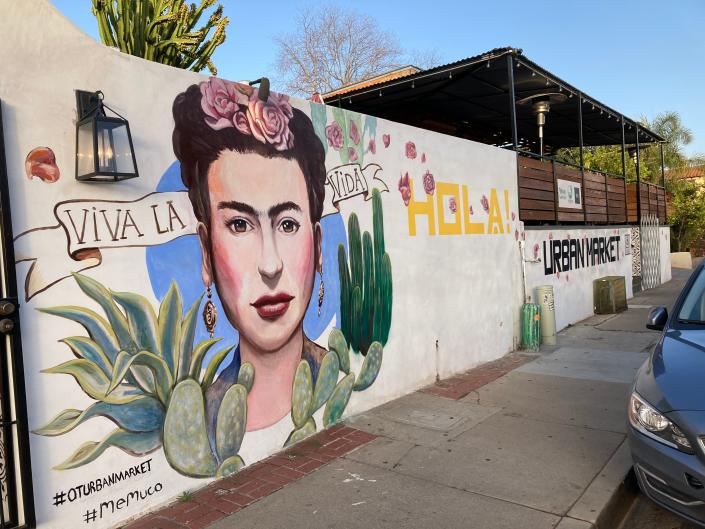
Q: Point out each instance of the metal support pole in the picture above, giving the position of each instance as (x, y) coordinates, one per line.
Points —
(11, 351)
(663, 167)
(638, 176)
(624, 173)
(580, 129)
(582, 158)
(512, 101)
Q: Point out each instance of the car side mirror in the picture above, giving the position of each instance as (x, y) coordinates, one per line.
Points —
(657, 318)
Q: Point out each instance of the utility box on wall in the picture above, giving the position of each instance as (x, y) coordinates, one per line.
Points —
(609, 295)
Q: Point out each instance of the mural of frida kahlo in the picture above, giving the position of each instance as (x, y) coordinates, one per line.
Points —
(255, 174)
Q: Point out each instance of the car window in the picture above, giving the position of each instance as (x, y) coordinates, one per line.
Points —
(693, 308)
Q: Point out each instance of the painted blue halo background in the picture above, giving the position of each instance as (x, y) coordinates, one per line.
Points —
(180, 261)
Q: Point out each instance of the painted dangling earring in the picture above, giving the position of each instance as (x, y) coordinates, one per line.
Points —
(210, 314)
(321, 291)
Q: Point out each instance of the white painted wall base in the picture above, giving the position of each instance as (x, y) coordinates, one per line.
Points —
(682, 260)
(572, 275)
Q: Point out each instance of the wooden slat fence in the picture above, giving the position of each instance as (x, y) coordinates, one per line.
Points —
(537, 190)
(604, 197)
(653, 201)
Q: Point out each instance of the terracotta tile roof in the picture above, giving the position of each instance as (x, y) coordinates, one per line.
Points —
(389, 76)
(694, 172)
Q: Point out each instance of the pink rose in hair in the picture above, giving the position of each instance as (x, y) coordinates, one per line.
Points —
(334, 133)
(410, 150)
(352, 154)
(269, 120)
(429, 184)
(220, 101)
(354, 133)
(386, 139)
(405, 188)
(372, 146)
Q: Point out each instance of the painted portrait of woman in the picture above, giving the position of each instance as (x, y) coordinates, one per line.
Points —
(255, 175)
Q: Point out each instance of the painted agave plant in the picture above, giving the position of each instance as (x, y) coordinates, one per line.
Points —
(145, 374)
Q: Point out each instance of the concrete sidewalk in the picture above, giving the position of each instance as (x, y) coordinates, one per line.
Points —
(541, 447)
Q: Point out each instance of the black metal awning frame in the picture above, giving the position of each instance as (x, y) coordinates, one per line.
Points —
(484, 90)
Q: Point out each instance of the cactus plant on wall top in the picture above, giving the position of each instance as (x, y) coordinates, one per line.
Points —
(162, 30)
(365, 283)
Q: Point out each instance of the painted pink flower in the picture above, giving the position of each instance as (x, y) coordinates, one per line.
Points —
(405, 188)
(334, 133)
(220, 100)
(470, 209)
(485, 204)
(452, 205)
(386, 139)
(354, 133)
(410, 149)
(352, 154)
(372, 146)
(550, 236)
(523, 235)
(513, 216)
(536, 250)
(41, 162)
(558, 274)
(429, 184)
(516, 234)
(423, 157)
(269, 120)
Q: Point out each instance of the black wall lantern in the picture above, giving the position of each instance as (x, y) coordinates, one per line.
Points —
(104, 151)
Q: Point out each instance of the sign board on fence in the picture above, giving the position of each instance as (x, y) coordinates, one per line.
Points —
(569, 194)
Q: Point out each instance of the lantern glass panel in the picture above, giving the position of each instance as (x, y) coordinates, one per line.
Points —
(114, 151)
(85, 162)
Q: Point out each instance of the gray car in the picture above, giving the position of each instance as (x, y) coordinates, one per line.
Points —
(667, 407)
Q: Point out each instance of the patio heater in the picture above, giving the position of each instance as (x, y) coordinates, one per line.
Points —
(540, 107)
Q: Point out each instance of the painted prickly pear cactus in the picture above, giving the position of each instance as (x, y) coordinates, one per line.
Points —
(365, 283)
(146, 375)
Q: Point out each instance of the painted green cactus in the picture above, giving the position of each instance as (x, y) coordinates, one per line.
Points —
(366, 283)
(366, 304)
(147, 377)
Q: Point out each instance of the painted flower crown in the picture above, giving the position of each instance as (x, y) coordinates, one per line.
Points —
(227, 104)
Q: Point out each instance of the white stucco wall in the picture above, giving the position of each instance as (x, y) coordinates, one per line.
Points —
(665, 253)
(456, 276)
(573, 285)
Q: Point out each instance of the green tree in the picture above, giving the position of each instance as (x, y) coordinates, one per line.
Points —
(608, 158)
(162, 30)
(669, 126)
(687, 214)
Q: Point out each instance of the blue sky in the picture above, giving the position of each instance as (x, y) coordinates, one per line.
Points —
(639, 57)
